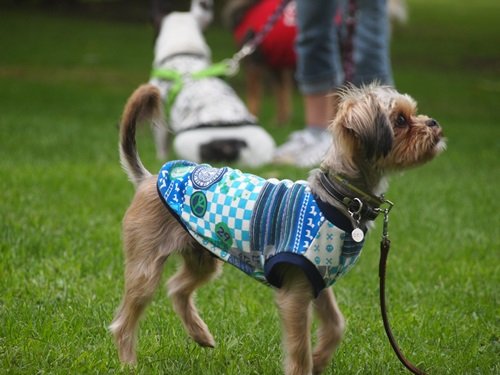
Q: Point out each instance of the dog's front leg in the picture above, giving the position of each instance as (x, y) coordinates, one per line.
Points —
(294, 301)
(254, 86)
(283, 89)
(330, 330)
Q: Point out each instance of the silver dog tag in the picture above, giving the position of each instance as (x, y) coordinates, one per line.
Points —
(357, 235)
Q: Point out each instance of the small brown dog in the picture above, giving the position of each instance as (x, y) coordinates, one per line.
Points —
(376, 131)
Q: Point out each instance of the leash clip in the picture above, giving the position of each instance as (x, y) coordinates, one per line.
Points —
(385, 211)
(233, 64)
(354, 208)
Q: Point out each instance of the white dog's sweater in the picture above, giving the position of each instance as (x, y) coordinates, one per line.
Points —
(256, 224)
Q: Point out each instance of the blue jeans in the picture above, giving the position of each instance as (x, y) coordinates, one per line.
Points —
(319, 61)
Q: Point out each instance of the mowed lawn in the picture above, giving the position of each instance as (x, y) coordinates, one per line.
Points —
(63, 83)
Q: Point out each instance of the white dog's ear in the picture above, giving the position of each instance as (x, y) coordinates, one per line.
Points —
(203, 12)
(366, 123)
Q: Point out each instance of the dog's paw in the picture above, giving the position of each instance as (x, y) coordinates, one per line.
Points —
(320, 362)
(204, 339)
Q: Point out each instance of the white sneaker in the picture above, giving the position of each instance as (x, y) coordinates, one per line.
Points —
(305, 148)
(297, 141)
(313, 155)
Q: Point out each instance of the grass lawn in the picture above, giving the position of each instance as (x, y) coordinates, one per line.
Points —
(63, 85)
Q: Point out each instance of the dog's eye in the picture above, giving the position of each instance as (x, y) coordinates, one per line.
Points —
(401, 121)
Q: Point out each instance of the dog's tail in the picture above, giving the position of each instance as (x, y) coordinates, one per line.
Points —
(145, 104)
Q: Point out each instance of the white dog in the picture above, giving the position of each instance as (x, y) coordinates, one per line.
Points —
(209, 120)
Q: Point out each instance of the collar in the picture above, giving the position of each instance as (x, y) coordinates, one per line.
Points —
(361, 206)
(172, 56)
(335, 216)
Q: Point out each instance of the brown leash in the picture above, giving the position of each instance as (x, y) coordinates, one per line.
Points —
(374, 205)
(385, 245)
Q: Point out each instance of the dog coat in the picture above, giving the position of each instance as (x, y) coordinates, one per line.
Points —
(257, 224)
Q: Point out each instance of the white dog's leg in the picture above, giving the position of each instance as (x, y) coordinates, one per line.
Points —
(160, 134)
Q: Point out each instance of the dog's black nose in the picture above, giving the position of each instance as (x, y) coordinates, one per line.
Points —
(431, 122)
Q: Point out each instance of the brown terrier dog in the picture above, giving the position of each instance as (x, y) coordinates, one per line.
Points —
(376, 131)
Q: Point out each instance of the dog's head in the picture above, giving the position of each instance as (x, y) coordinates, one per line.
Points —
(377, 127)
(180, 33)
(203, 12)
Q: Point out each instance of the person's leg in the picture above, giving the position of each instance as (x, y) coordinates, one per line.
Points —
(319, 110)
(319, 67)
(318, 59)
(306, 148)
(372, 43)
(318, 73)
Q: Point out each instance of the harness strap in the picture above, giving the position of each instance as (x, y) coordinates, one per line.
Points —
(213, 125)
(220, 69)
(176, 79)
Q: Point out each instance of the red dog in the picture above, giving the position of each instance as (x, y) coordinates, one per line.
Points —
(275, 54)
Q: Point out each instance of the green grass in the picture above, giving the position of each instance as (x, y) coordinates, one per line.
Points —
(63, 84)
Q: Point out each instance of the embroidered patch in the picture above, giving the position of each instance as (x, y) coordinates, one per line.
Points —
(198, 203)
(205, 176)
(222, 232)
(179, 171)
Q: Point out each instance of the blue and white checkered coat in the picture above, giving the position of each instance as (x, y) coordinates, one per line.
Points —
(256, 224)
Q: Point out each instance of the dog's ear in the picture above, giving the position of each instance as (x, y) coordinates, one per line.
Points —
(363, 119)
(159, 9)
(378, 142)
(203, 12)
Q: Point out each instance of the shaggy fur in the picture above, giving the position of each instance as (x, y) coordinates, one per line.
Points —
(376, 131)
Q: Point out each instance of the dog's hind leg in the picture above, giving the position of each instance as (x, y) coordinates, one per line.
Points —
(199, 267)
(330, 330)
(141, 281)
(150, 236)
(294, 304)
